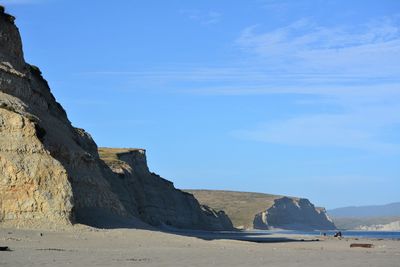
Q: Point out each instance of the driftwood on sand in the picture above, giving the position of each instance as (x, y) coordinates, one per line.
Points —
(361, 245)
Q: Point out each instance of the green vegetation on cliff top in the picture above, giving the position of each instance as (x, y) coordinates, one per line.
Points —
(110, 155)
(239, 206)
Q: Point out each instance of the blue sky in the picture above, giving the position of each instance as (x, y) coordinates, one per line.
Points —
(288, 97)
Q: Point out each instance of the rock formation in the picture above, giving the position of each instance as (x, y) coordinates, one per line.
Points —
(294, 214)
(51, 173)
(249, 210)
(154, 199)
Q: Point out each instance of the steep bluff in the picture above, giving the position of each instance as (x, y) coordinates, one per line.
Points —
(154, 199)
(50, 171)
(289, 213)
(265, 211)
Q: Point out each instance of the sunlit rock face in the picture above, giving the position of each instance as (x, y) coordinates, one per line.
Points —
(49, 170)
(293, 214)
(51, 173)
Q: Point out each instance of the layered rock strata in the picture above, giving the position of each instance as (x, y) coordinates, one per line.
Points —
(293, 214)
(154, 199)
(50, 171)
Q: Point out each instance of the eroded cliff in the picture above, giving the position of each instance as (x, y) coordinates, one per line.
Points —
(249, 210)
(154, 199)
(50, 171)
(294, 214)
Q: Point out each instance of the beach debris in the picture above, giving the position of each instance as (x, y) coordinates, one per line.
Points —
(13, 239)
(138, 259)
(51, 249)
(5, 249)
(354, 245)
(134, 259)
(57, 249)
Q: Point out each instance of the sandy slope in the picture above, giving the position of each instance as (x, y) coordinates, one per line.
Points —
(82, 246)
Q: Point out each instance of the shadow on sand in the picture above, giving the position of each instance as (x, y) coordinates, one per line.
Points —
(247, 236)
(103, 220)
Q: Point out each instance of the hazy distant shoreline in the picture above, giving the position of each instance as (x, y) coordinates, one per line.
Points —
(263, 235)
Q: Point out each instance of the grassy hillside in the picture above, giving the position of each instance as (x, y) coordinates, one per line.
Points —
(240, 206)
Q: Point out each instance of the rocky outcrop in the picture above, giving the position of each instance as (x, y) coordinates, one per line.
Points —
(49, 170)
(154, 199)
(51, 173)
(293, 214)
(249, 210)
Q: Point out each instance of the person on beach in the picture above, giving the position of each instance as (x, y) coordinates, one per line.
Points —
(338, 234)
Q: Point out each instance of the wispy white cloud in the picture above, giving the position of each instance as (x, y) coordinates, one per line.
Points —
(356, 129)
(203, 17)
(353, 93)
(372, 48)
(366, 110)
(297, 58)
(355, 70)
(364, 117)
(250, 80)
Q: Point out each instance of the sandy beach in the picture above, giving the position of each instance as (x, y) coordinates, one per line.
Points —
(83, 246)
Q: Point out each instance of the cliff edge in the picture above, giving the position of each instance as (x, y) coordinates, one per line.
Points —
(249, 210)
(293, 214)
(154, 199)
(51, 172)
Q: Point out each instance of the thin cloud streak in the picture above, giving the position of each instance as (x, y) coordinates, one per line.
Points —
(361, 127)
(242, 80)
(355, 93)
(369, 106)
(355, 71)
(301, 55)
(373, 48)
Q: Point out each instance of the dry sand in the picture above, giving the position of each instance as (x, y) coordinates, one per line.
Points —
(83, 246)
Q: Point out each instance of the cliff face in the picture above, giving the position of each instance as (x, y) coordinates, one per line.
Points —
(265, 211)
(239, 206)
(289, 213)
(50, 172)
(154, 199)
